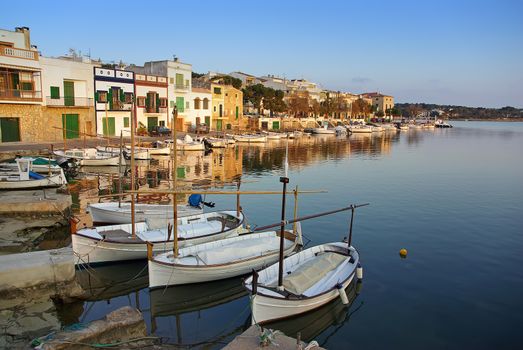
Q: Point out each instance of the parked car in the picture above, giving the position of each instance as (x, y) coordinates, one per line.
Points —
(160, 131)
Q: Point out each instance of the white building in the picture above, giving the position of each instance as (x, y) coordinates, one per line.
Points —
(200, 107)
(274, 82)
(179, 77)
(68, 91)
(247, 79)
(114, 92)
(151, 101)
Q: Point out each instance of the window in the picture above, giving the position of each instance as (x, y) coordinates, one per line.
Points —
(27, 85)
(140, 101)
(186, 82)
(171, 80)
(187, 105)
(226, 94)
(162, 122)
(205, 103)
(171, 104)
(55, 92)
(101, 96)
(179, 80)
(126, 122)
(215, 108)
(128, 97)
(163, 102)
(180, 104)
(218, 91)
(151, 102)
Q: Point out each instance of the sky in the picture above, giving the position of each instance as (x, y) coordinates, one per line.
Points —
(459, 52)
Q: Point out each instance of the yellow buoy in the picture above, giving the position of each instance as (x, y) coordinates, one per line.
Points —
(403, 253)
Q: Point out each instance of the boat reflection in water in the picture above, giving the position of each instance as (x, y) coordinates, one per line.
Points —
(109, 281)
(314, 323)
(200, 314)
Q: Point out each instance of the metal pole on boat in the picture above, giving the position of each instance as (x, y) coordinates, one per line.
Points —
(120, 170)
(350, 227)
(174, 176)
(295, 209)
(238, 199)
(133, 226)
(64, 131)
(49, 162)
(285, 181)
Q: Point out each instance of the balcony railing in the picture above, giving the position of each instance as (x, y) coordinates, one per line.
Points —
(181, 86)
(18, 53)
(23, 95)
(155, 109)
(69, 102)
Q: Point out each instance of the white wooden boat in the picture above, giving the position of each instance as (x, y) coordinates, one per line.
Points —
(442, 124)
(23, 177)
(113, 213)
(360, 129)
(312, 278)
(323, 130)
(213, 142)
(250, 138)
(88, 157)
(389, 127)
(38, 164)
(188, 144)
(115, 242)
(221, 259)
(273, 135)
(340, 130)
(161, 149)
(376, 128)
(139, 152)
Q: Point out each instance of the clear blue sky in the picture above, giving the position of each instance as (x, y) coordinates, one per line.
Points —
(448, 52)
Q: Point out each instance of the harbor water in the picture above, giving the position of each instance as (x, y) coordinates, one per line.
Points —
(451, 197)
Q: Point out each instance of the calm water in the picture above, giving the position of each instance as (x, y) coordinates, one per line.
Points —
(453, 198)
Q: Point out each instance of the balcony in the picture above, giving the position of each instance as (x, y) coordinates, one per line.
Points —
(18, 53)
(156, 110)
(182, 87)
(20, 95)
(69, 102)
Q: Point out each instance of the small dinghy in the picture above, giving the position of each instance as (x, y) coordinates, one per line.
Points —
(221, 259)
(89, 157)
(304, 281)
(188, 144)
(116, 243)
(323, 130)
(251, 138)
(23, 177)
(120, 213)
(212, 142)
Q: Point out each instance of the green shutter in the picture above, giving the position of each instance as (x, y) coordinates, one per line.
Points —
(96, 96)
(110, 98)
(122, 96)
(237, 112)
(71, 126)
(9, 129)
(108, 122)
(55, 92)
(125, 122)
(68, 93)
(157, 103)
(180, 173)
(179, 80)
(180, 104)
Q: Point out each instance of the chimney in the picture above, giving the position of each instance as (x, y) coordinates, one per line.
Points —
(27, 37)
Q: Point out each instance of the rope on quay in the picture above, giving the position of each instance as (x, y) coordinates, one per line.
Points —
(37, 343)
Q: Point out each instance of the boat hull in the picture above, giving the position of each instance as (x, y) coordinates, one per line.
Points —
(266, 309)
(110, 213)
(53, 181)
(251, 139)
(110, 161)
(162, 274)
(93, 251)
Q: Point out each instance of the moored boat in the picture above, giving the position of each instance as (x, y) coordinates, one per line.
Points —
(115, 242)
(23, 177)
(250, 138)
(89, 157)
(221, 259)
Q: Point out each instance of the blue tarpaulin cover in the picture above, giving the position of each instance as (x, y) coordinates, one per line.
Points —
(195, 200)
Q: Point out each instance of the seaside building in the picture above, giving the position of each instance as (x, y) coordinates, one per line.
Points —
(68, 90)
(247, 79)
(20, 88)
(114, 93)
(218, 102)
(200, 107)
(179, 87)
(233, 105)
(151, 102)
(380, 102)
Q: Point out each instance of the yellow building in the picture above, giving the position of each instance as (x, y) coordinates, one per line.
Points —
(380, 102)
(233, 105)
(217, 113)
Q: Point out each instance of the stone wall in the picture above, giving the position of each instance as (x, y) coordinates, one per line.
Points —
(37, 122)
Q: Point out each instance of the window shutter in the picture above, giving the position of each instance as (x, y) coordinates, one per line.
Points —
(157, 103)
(96, 96)
(110, 98)
(122, 96)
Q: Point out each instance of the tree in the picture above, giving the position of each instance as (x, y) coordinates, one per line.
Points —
(380, 114)
(315, 108)
(360, 107)
(228, 80)
(298, 104)
(269, 98)
(413, 110)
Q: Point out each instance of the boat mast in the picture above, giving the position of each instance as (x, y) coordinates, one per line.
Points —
(133, 226)
(349, 241)
(284, 180)
(174, 176)
(120, 170)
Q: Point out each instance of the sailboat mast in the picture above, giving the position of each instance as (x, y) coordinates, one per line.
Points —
(174, 176)
(284, 180)
(133, 226)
